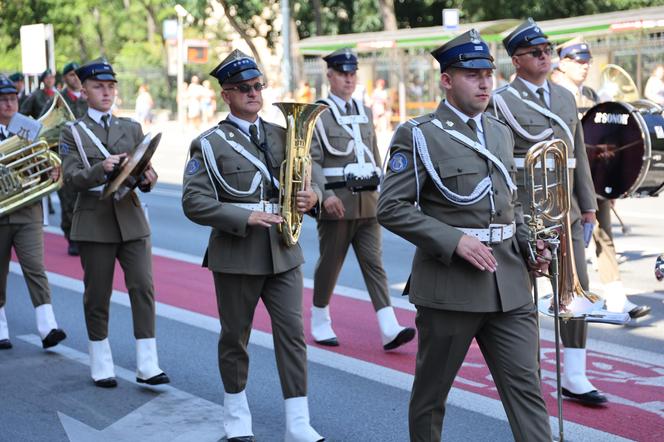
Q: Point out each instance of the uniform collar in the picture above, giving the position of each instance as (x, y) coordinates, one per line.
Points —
(96, 116)
(533, 87)
(244, 124)
(4, 130)
(341, 104)
(463, 117)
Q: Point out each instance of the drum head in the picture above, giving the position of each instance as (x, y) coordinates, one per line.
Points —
(616, 145)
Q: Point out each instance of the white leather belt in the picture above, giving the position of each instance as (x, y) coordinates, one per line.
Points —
(333, 171)
(520, 163)
(495, 234)
(263, 206)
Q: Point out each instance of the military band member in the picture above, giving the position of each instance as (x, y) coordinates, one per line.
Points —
(22, 230)
(72, 94)
(231, 184)
(34, 105)
(346, 160)
(19, 83)
(92, 148)
(574, 64)
(536, 110)
(449, 189)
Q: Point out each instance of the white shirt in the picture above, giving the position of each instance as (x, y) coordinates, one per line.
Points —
(96, 116)
(465, 118)
(341, 104)
(244, 125)
(533, 88)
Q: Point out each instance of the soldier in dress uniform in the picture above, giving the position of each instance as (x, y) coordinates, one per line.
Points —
(574, 64)
(22, 230)
(92, 149)
(19, 83)
(449, 189)
(34, 105)
(537, 109)
(72, 94)
(231, 183)
(346, 163)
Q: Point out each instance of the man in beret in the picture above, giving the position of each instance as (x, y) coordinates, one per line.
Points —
(574, 65)
(449, 189)
(93, 148)
(537, 110)
(35, 105)
(19, 83)
(22, 230)
(347, 165)
(231, 183)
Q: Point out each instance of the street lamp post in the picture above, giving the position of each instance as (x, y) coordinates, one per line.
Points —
(182, 13)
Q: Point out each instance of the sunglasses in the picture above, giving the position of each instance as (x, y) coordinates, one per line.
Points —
(537, 53)
(246, 88)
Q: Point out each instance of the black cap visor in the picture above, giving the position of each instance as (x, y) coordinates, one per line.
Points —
(241, 76)
(580, 56)
(102, 77)
(477, 63)
(538, 40)
(345, 67)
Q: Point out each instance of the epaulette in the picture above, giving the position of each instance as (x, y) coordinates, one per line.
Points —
(496, 119)
(267, 123)
(418, 121)
(129, 120)
(207, 132)
(500, 89)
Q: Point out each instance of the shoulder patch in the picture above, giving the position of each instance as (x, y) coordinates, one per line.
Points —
(192, 166)
(398, 162)
(64, 149)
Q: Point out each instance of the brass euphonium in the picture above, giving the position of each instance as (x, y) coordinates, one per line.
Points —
(295, 171)
(25, 167)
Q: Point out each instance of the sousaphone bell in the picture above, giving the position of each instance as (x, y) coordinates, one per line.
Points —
(131, 171)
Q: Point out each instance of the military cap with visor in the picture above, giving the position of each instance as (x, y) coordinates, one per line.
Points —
(342, 60)
(236, 68)
(525, 35)
(467, 51)
(71, 66)
(7, 86)
(575, 49)
(99, 69)
(16, 76)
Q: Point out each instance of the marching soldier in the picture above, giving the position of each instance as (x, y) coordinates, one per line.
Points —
(536, 109)
(23, 231)
(92, 149)
(346, 163)
(19, 83)
(72, 94)
(34, 105)
(575, 58)
(231, 184)
(449, 189)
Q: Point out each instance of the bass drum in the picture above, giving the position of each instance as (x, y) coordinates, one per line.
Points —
(625, 145)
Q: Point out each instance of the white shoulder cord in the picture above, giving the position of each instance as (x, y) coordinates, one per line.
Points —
(79, 146)
(95, 140)
(499, 101)
(237, 147)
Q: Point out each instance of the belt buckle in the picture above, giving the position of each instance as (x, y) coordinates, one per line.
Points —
(502, 234)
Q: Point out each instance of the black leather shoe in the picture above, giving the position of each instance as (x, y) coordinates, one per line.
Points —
(5, 344)
(404, 336)
(72, 249)
(53, 338)
(161, 378)
(242, 439)
(593, 397)
(332, 342)
(639, 311)
(106, 383)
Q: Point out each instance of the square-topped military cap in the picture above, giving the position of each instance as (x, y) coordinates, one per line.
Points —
(71, 66)
(468, 51)
(235, 68)
(98, 69)
(575, 49)
(526, 34)
(342, 60)
(7, 86)
(16, 76)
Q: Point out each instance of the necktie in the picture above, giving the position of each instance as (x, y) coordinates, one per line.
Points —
(2, 134)
(541, 92)
(349, 109)
(253, 133)
(473, 125)
(104, 122)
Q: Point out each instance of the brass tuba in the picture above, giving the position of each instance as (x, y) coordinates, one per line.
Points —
(295, 171)
(25, 167)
